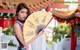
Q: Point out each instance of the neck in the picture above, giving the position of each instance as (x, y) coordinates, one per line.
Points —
(22, 21)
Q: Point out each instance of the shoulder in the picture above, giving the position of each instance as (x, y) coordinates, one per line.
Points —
(16, 25)
(17, 28)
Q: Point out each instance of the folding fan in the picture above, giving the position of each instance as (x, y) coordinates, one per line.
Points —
(36, 21)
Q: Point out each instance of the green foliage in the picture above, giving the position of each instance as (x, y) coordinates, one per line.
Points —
(11, 43)
(9, 31)
(60, 30)
(49, 43)
(78, 34)
(55, 37)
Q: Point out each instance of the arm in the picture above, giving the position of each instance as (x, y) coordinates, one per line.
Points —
(18, 33)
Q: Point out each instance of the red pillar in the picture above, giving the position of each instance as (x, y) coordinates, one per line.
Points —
(73, 40)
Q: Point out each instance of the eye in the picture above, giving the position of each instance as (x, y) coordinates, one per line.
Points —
(22, 11)
(26, 12)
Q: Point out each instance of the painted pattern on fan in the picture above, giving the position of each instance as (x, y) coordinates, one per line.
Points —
(33, 21)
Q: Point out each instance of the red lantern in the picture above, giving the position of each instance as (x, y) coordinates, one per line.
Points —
(5, 23)
(47, 9)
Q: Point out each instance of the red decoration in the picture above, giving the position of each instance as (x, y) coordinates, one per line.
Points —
(71, 22)
(73, 40)
(5, 23)
(47, 9)
(76, 20)
(13, 20)
(73, 34)
(59, 20)
(67, 21)
(62, 21)
(0, 21)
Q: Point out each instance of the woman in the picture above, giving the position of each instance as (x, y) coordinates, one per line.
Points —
(23, 13)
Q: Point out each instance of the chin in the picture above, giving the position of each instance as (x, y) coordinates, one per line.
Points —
(23, 19)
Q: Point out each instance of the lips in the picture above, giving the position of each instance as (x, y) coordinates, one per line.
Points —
(24, 18)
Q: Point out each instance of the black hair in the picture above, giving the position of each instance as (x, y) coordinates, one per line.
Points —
(21, 6)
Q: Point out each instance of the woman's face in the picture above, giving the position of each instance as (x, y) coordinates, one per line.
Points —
(22, 14)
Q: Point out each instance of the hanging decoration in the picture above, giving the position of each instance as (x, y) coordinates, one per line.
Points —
(4, 22)
(7, 14)
(73, 39)
(68, 19)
